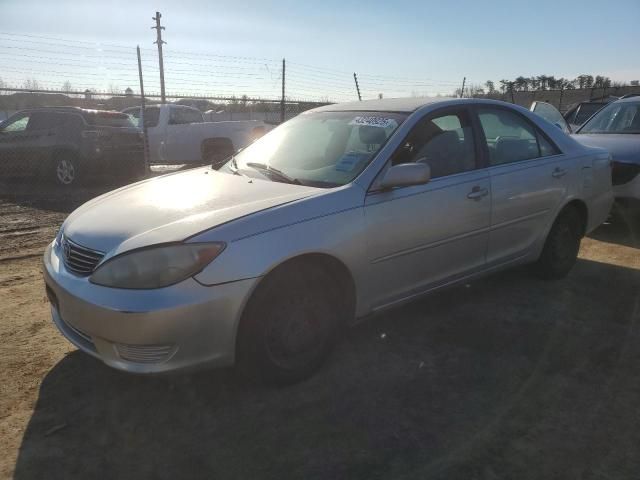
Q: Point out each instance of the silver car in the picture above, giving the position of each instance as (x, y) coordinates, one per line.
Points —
(341, 212)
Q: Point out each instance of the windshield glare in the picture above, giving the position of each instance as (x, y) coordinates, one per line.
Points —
(619, 117)
(324, 149)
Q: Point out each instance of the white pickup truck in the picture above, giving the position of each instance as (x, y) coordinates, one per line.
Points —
(178, 134)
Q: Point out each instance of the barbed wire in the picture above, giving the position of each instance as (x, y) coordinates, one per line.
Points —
(29, 57)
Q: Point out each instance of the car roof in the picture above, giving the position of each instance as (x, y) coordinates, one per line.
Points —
(634, 99)
(406, 105)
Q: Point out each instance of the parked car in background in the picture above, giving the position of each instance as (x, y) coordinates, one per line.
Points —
(66, 144)
(178, 134)
(581, 112)
(616, 128)
(343, 211)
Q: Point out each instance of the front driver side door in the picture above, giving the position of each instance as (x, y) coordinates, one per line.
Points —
(422, 236)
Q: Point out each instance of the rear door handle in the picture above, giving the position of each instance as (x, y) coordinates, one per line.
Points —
(559, 172)
(477, 193)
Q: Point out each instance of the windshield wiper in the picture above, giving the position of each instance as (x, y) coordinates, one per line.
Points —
(274, 171)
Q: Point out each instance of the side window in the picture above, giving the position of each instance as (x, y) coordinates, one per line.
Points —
(151, 116)
(174, 116)
(134, 115)
(546, 148)
(510, 138)
(180, 116)
(191, 116)
(17, 125)
(445, 142)
(47, 120)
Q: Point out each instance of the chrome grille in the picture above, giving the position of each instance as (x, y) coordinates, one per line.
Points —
(78, 259)
(144, 353)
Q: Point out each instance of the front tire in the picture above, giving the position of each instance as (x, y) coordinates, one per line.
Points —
(289, 326)
(561, 248)
(65, 169)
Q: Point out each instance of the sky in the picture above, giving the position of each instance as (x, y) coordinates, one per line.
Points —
(398, 48)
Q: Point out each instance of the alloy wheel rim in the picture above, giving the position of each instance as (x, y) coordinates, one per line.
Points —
(65, 172)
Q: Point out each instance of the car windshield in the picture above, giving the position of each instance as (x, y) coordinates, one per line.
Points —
(618, 117)
(323, 149)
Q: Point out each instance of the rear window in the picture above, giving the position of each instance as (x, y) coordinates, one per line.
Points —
(151, 116)
(109, 119)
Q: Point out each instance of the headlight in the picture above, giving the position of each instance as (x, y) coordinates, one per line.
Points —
(156, 267)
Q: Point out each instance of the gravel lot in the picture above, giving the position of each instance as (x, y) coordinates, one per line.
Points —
(507, 377)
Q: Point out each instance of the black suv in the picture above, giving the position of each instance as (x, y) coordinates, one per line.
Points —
(66, 144)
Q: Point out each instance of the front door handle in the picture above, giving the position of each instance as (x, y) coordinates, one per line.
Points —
(559, 172)
(477, 193)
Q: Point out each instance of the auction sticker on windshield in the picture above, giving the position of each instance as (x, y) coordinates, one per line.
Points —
(374, 121)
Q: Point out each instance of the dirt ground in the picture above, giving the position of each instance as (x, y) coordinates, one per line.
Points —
(507, 377)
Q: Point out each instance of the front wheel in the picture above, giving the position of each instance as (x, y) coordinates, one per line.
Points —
(65, 169)
(289, 326)
(561, 248)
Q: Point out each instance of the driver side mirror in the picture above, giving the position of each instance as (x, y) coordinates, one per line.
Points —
(406, 174)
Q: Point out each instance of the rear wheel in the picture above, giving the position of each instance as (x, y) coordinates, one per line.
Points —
(290, 325)
(561, 248)
(65, 169)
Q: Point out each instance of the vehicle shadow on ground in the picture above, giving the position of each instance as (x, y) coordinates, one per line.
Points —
(507, 377)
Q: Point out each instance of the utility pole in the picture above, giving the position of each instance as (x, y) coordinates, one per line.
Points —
(282, 104)
(464, 80)
(142, 122)
(159, 42)
(355, 78)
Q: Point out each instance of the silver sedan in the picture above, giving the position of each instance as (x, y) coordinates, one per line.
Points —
(344, 211)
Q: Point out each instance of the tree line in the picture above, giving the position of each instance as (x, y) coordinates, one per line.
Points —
(538, 83)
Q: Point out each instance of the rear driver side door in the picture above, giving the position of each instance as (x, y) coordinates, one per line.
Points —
(529, 180)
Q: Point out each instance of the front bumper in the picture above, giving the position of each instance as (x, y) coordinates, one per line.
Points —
(147, 331)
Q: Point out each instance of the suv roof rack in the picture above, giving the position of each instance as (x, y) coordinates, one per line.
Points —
(629, 95)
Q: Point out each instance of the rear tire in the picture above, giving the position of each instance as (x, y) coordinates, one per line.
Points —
(289, 326)
(561, 247)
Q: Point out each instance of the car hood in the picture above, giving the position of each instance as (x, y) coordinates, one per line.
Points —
(172, 208)
(622, 147)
